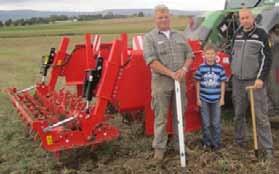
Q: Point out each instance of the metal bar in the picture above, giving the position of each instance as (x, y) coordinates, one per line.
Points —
(43, 79)
(89, 51)
(180, 124)
(21, 109)
(49, 128)
(26, 89)
(58, 61)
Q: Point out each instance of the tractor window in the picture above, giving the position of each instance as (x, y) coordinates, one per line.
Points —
(226, 29)
(235, 4)
(194, 22)
(274, 36)
(232, 4)
(195, 29)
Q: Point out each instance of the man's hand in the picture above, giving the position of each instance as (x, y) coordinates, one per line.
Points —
(259, 83)
(179, 74)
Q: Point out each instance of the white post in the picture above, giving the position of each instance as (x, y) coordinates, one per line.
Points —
(180, 124)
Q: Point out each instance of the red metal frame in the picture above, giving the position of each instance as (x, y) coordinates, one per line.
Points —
(59, 116)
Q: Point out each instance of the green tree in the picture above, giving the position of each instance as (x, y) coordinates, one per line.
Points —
(108, 15)
(140, 14)
(8, 22)
(19, 22)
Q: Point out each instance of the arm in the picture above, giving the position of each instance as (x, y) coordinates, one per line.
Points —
(180, 74)
(187, 63)
(189, 57)
(151, 57)
(156, 66)
(223, 87)
(231, 51)
(265, 62)
(198, 78)
(198, 93)
(222, 99)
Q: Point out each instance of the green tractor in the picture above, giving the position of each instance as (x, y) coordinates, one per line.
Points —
(219, 27)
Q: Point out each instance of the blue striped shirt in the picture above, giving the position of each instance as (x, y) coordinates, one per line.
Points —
(210, 77)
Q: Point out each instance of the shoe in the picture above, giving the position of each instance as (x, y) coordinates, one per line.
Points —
(265, 155)
(206, 147)
(159, 154)
(268, 154)
(217, 147)
(241, 145)
(174, 150)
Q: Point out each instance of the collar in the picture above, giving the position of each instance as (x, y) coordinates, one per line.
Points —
(249, 33)
(205, 62)
(159, 32)
(209, 64)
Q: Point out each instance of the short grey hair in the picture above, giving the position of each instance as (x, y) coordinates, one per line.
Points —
(161, 8)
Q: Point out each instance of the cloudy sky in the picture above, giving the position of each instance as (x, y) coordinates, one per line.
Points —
(97, 5)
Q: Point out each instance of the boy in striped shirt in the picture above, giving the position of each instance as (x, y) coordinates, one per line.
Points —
(210, 82)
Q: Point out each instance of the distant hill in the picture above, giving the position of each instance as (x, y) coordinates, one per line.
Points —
(19, 14)
(149, 12)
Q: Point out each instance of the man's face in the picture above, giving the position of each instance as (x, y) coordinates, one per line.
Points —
(246, 19)
(162, 20)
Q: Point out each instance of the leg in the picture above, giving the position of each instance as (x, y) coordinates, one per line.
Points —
(240, 102)
(205, 124)
(263, 124)
(215, 116)
(160, 105)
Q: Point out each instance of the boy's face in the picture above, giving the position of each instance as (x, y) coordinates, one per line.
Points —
(210, 56)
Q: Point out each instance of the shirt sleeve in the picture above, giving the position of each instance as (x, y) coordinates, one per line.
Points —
(198, 75)
(266, 58)
(149, 49)
(223, 76)
(189, 52)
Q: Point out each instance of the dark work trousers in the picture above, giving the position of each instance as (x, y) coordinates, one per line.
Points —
(241, 103)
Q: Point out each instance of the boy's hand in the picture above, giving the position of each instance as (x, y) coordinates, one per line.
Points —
(198, 102)
(221, 102)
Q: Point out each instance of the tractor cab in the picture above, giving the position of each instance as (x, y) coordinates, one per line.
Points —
(219, 27)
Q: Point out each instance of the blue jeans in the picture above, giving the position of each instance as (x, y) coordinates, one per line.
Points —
(211, 120)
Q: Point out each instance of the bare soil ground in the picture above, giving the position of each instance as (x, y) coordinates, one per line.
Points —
(20, 56)
(130, 154)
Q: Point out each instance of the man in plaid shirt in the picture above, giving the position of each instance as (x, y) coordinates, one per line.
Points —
(168, 56)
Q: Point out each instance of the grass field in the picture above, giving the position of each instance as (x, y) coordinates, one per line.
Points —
(22, 47)
(20, 57)
(112, 26)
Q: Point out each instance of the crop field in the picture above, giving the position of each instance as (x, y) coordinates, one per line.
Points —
(21, 49)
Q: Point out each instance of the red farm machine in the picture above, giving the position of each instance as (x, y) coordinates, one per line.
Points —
(102, 74)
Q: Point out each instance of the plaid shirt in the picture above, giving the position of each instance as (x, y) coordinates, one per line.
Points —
(170, 52)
